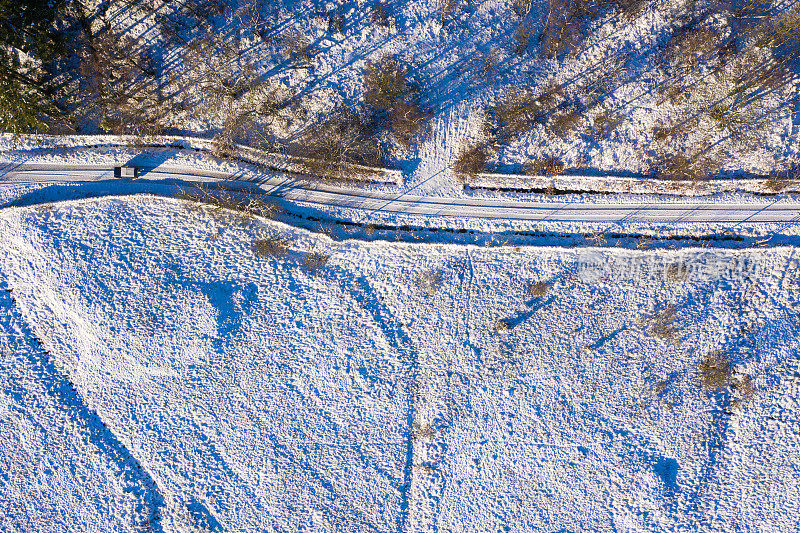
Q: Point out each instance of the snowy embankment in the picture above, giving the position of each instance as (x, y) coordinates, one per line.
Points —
(626, 185)
(393, 387)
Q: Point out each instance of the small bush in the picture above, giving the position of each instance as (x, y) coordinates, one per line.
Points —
(471, 161)
(522, 37)
(521, 7)
(679, 167)
(566, 123)
(662, 325)
(386, 82)
(714, 371)
(630, 8)
(390, 92)
(666, 134)
(565, 27)
(425, 432)
(407, 121)
(270, 245)
(688, 45)
(315, 260)
(517, 113)
(343, 138)
(487, 64)
(743, 387)
(547, 166)
(379, 14)
(551, 95)
(335, 23)
(604, 125)
(225, 206)
(677, 272)
(538, 289)
(449, 10)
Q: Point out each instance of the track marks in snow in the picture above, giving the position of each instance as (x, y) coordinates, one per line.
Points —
(136, 480)
(366, 297)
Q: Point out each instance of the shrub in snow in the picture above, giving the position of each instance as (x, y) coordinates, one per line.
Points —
(565, 26)
(379, 14)
(471, 161)
(296, 48)
(565, 123)
(604, 124)
(547, 166)
(429, 281)
(538, 289)
(315, 260)
(392, 95)
(517, 113)
(501, 326)
(522, 37)
(521, 7)
(662, 324)
(344, 137)
(680, 167)
(714, 371)
(269, 245)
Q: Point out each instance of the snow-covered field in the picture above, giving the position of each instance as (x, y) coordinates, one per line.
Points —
(159, 375)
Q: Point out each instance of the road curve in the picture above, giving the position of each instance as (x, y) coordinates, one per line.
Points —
(756, 209)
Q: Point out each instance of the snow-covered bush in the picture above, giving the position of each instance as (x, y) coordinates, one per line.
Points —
(471, 160)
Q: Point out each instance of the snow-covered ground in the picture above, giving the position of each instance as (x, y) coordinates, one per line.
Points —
(158, 374)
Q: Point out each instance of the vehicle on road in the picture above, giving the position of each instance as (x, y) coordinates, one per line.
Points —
(126, 171)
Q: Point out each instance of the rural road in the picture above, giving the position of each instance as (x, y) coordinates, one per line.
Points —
(572, 209)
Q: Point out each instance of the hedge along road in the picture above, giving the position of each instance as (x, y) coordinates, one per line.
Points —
(732, 210)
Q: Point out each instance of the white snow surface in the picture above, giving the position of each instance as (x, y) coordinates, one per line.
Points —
(160, 375)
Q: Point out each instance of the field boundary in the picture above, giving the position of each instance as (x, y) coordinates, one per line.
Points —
(570, 183)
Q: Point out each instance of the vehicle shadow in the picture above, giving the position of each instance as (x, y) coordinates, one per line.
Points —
(146, 162)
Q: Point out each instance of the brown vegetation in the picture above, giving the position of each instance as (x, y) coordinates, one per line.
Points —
(315, 261)
(270, 245)
(565, 123)
(390, 92)
(471, 161)
(538, 289)
(663, 323)
(714, 371)
(341, 139)
(547, 166)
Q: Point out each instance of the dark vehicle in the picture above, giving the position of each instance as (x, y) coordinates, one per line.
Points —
(127, 172)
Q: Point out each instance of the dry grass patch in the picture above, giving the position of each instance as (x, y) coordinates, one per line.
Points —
(538, 289)
(545, 166)
(269, 246)
(714, 371)
(662, 324)
(315, 261)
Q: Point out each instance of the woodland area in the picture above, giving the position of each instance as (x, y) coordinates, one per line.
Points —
(722, 75)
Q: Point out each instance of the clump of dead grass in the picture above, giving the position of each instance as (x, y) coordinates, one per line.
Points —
(714, 371)
(269, 245)
(225, 206)
(545, 166)
(538, 289)
(662, 324)
(315, 260)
